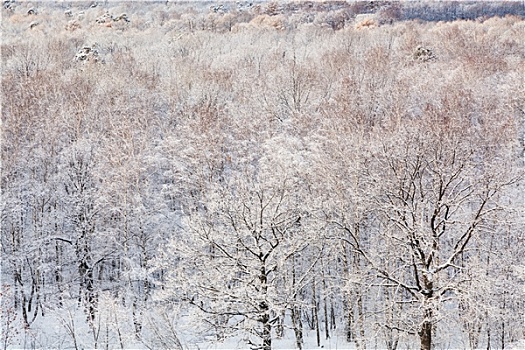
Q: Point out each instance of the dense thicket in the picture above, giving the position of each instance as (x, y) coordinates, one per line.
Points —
(174, 174)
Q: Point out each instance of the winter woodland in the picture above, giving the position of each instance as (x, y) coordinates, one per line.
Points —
(192, 175)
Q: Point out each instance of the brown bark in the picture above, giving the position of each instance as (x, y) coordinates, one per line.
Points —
(425, 333)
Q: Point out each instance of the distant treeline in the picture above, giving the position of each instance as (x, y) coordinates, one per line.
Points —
(453, 10)
(399, 10)
(390, 10)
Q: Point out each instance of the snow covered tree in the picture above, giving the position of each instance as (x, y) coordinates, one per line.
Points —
(311, 176)
(440, 182)
(244, 231)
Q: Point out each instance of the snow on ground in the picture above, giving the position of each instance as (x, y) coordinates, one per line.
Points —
(519, 345)
(287, 342)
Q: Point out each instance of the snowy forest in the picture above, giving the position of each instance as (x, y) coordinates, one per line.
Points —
(262, 175)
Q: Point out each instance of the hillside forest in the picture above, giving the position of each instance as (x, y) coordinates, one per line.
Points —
(192, 175)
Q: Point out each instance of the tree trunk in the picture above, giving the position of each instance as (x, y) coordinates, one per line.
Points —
(360, 324)
(425, 334)
(360, 341)
(503, 335)
(265, 310)
(296, 313)
(488, 338)
(349, 319)
(58, 273)
(347, 302)
(390, 334)
(137, 318)
(315, 314)
(326, 324)
(325, 302)
(297, 327)
(333, 323)
(91, 297)
(267, 333)
(280, 324)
